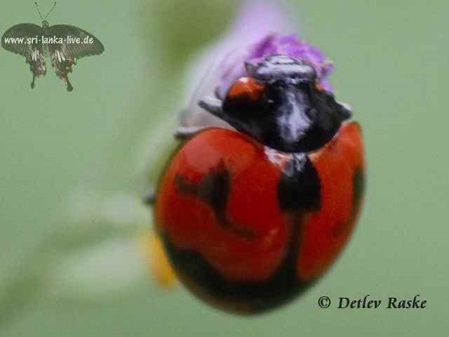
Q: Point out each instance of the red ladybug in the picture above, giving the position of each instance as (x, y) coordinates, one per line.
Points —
(251, 218)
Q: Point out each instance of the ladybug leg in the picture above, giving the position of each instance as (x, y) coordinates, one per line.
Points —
(187, 132)
(345, 109)
(212, 105)
(150, 198)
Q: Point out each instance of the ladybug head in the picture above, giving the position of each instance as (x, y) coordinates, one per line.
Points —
(280, 104)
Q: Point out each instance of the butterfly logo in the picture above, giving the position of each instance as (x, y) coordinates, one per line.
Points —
(63, 44)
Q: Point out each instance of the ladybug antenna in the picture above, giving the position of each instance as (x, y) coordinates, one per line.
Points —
(40, 14)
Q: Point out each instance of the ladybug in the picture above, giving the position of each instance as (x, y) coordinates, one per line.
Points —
(251, 217)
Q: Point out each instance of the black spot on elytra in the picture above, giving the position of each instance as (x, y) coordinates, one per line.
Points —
(214, 189)
(299, 188)
(243, 297)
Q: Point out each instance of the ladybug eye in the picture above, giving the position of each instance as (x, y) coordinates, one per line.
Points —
(245, 91)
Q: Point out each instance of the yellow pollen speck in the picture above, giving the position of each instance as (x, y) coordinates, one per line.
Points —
(157, 261)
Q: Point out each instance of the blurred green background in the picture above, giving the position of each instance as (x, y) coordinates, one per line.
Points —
(74, 165)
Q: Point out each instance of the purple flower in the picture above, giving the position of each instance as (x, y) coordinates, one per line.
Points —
(261, 29)
(274, 44)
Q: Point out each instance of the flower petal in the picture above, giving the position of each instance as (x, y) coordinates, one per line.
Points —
(256, 19)
(260, 30)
